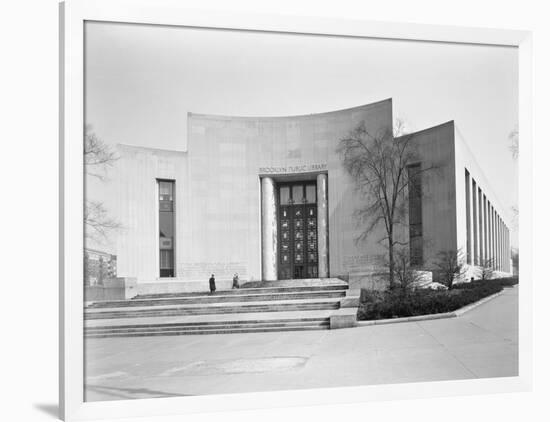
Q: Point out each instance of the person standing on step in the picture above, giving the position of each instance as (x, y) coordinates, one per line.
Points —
(236, 281)
(212, 283)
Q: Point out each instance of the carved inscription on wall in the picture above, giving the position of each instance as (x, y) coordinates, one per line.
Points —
(363, 263)
(203, 270)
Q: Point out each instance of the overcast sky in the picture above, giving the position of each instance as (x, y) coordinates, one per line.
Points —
(142, 80)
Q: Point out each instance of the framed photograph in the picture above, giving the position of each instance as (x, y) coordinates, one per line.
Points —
(266, 211)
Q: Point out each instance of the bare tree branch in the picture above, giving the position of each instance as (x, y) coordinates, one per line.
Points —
(379, 165)
(485, 271)
(407, 277)
(97, 221)
(450, 267)
(513, 137)
(98, 156)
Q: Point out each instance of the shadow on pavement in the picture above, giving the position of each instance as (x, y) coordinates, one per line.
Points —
(130, 393)
(48, 408)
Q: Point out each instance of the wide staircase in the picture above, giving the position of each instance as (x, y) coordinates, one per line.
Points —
(284, 305)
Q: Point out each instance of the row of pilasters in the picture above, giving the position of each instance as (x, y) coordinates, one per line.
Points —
(488, 237)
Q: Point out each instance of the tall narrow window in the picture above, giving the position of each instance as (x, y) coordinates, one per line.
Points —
(415, 215)
(500, 250)
(468, 218)
(166, 228)
(490, 251)
(475, 220)
(495, 239)
(482, 227)
(483, 245)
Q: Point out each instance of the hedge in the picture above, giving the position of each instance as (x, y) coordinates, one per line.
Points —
(504, 282)
(398, 303)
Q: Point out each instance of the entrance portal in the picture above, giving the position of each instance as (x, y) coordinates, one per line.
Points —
(297, 229)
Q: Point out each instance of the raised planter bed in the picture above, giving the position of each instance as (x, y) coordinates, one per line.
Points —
(405, 304)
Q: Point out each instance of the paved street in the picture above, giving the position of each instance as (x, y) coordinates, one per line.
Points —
(482, 343)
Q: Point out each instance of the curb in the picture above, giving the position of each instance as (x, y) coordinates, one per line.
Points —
(406, 319)
(453, 314)
(471, 306)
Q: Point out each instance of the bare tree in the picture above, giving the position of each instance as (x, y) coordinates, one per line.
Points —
(379, 164)
(449, 267)
(97, 221)
(486, 271)
(406, 275)
(399, 127)
(98, 157)
(513, 137)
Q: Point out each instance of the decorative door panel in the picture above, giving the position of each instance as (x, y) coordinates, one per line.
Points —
(297, 231)
(285, 250)
(311, 237)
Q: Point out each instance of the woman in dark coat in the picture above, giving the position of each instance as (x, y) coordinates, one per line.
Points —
(236, 281)
(212, 283)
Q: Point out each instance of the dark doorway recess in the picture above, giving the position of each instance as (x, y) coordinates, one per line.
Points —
(297, 230)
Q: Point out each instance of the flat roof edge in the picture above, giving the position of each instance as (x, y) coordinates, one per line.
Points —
(450, 122)
(142, 148)
(344, 110)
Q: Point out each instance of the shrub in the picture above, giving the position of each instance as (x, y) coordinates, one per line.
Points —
(508, 281)
(485, 271)
(449, 267)
(399, 303)
(503, 282)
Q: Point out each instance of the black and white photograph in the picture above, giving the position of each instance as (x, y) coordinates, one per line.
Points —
(271, 211)
(276, 210)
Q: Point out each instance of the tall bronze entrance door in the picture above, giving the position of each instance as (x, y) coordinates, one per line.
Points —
(297, 228)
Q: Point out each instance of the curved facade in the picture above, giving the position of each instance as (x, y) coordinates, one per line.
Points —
(268, 198)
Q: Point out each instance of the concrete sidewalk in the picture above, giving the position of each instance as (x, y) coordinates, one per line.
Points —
(482, 343)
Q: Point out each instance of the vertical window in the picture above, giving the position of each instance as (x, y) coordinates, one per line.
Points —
(298, 194)
(415, 215)
(486, 229)
(491, 233)
(496, 253)
(495, 239)
(166, 228)
(468, 218)
(500, 243)
(474, 217)
(482, 228)
(311, 194)
(284, 195)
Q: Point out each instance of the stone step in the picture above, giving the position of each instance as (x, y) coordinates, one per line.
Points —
(248, 290)
(304, 282)
(212, 330)
(214, 319)
(221, 297)
(209, 323)
(207, 326)
(236, 303)
(216, 309)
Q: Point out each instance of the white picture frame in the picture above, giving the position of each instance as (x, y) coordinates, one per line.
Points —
(73, 15)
